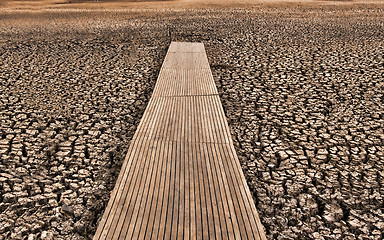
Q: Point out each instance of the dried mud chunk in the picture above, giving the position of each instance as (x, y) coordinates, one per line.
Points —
(332, 213)
(67, 209)
(47, 235)
(9, 198)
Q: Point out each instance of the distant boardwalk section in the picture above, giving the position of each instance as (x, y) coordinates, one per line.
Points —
(181, 178)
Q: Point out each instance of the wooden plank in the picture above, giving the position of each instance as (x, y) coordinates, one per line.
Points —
(184, 47)
(184, 82)
(197, 105)
(181, 178)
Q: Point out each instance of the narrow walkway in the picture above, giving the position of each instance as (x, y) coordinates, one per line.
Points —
(181, 178)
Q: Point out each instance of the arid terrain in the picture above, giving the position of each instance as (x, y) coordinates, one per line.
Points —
(302, 85)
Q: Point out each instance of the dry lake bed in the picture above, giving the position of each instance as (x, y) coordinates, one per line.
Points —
(301, 83)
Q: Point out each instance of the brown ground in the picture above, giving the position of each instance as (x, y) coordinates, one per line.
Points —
(162, 4)
(301, 84)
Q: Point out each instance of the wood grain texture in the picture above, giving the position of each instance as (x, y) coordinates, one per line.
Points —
(181, 178)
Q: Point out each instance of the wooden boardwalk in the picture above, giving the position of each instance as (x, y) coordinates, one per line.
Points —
(181, 178)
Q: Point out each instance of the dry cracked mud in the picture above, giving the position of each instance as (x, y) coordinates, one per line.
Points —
(301, 84)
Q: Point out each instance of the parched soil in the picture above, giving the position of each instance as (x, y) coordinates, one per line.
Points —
(301, 84)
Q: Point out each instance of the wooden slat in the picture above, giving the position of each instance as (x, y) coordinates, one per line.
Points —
(181, 178)
(185, 82)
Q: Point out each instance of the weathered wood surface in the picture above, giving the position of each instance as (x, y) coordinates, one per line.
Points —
(181, 178)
